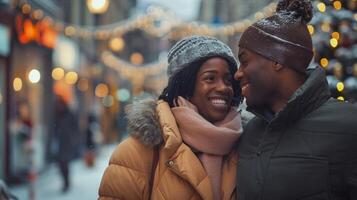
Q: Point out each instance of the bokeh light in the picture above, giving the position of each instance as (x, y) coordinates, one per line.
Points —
(108, 101)
(83, 84)
(57, 73)
(123, 95)
(71, 78)
(136, 58)
(17, 84)
(335, 35)
(34, 76)
(324, 62)
(311, 29)
(321, 7)
(337, 5)
(101, 90)
(117, 44)
(341, 98)
(340, 86)
(333, 42)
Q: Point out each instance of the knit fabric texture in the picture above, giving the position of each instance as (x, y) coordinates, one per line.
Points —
(195, 48)
(283, 37)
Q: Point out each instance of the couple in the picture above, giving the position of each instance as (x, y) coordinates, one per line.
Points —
(302, 144)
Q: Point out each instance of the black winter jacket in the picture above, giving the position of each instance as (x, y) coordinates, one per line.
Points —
(307, 151)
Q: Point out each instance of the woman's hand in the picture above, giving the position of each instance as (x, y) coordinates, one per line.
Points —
(182, 102)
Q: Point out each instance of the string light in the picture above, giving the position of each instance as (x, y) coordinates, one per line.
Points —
(83, 85)
(259, 15)
(117, 44)
(101, 90)
(325, 27)
(337, 5)
(335, 35)
(26, 8)
(136, 58)
(321, 7)
(71, 78)
(34, 76)
(311, 29)
(340, 86)
(70, 31)
(156, 22)
(128, 70)
(324, 62)
(97, 6)
(333, 42)
(17, 84)
(57, 73)
(341, 98)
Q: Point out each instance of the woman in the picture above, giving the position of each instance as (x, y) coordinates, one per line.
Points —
(181, 146)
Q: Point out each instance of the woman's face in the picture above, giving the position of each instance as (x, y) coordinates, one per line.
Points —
(213, 89)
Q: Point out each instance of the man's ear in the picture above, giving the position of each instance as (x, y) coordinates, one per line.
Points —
(277, 66)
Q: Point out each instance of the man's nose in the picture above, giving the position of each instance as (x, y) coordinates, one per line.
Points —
(238, 75)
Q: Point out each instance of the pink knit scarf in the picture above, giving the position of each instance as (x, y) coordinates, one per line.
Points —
(213, 140)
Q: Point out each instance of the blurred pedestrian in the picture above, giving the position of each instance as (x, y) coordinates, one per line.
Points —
(180, 147)
(21, 139)
(65, 139)
(89, 155)
(302, 144)
(22, 162)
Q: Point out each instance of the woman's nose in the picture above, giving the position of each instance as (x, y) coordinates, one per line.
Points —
(223, 86)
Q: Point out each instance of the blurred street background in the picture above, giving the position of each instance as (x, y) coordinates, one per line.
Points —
(68, 68)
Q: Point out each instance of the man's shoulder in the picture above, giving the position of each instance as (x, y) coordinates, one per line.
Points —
(333, 117)
(337, 110)
(341, 106)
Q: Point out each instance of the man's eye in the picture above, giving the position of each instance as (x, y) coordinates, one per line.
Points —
(229, 80)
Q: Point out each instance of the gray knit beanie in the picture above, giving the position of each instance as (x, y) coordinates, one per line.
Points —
(195, 48)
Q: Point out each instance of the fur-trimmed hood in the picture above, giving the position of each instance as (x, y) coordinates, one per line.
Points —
(143, 121)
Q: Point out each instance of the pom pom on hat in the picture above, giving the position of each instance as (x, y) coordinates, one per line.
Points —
(299, 8)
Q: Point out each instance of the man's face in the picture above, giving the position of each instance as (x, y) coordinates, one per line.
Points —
(257, 78)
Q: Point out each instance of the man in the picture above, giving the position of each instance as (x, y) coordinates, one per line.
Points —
(302, 144)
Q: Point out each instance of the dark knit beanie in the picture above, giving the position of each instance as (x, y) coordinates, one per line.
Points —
(196, 48)
(283, 37)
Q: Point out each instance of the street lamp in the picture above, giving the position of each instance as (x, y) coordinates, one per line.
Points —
(97, 6)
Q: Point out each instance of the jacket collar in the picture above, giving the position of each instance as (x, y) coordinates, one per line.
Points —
(312, 94)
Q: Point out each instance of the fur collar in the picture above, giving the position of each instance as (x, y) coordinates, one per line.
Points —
(143, 121)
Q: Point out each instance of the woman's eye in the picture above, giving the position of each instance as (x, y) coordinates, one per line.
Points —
(209, 78)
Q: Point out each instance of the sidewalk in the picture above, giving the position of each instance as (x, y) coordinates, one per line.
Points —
(84, 181)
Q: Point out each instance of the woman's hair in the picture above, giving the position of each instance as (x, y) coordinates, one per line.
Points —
(183, 83)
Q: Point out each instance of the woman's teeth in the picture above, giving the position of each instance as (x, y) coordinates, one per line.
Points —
(219, 102)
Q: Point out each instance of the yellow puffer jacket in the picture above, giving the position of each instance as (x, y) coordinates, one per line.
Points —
(179, 173)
